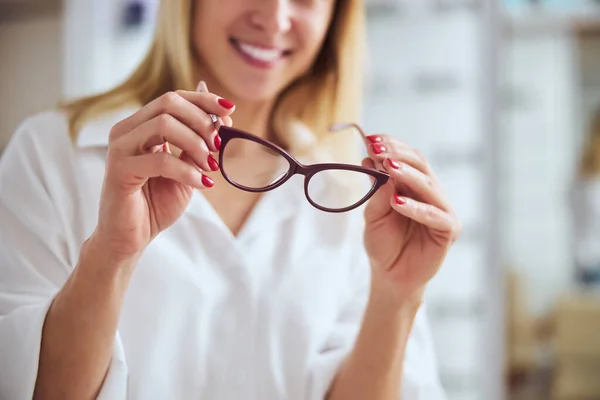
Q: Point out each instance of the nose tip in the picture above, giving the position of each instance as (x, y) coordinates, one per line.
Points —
(272, 16)
(283, 23)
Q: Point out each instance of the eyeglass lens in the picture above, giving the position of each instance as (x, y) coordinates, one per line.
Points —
(337, 188)
(251, 165)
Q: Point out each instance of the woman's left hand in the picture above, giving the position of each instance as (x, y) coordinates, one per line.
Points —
(410, 224)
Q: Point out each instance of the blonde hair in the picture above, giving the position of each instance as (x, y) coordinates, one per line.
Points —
(589, 165)
(330, 92)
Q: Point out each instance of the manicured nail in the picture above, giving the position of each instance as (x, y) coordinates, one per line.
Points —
(218, 143)
(226, 104)
(394, 164)
(378, 148)
(207, 182)
(212, 163)
(375, 139)
(399, 200)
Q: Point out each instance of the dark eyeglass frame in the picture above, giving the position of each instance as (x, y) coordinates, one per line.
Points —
(381, 177)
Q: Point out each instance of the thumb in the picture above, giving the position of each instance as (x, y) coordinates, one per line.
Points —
(379, 204)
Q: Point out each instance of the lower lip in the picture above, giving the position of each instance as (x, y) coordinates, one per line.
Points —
(255, 62)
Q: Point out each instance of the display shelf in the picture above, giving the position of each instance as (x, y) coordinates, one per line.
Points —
(536, 21)
(12, 11)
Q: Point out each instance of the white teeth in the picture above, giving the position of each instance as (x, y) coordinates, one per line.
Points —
(265, 55)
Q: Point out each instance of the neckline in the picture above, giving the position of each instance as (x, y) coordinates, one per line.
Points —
(271, 209)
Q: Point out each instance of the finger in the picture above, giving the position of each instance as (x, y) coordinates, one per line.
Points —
(162, 129)
(381, 147)
(191, 108)
(217, 121)
(227, 121)
(423, 213)
(202, 87)
(379, 204)
(426, 189)
(209, 102)
(368, 163)
(165, 165)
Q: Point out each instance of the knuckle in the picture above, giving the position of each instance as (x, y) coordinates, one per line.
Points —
(198, 154)
(164, 122)
(112, 153)
(203, 125)
(115, 168)
(394, 147)
(189, 173)
(210, 126)
(163, 160)
(429, 182)
(420, 156)
(429, 212)
(201, 147)
(204, 128)
(169, 100)
(115, 132)
(386, 138)
(457, 231)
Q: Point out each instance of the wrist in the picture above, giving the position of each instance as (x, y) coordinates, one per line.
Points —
(388, 297)
(96, 258)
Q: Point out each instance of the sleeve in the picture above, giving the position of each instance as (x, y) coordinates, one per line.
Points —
(420, 379)
(38, 250)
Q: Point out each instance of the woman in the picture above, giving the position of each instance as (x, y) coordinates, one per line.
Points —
(586, 209)
(183, 286)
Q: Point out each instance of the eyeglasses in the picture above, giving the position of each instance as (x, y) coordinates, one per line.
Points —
(330, 187)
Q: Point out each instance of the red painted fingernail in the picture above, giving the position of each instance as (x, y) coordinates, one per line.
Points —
(375, 139)
(394, 164)
(399, 199)
(212, 163)
(218, 143)
(226, 104)
(378, 148)
(206, 181)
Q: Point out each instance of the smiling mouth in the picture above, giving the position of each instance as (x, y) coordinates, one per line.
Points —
(257, 55)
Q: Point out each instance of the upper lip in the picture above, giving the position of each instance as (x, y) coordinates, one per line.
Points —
(261, 46)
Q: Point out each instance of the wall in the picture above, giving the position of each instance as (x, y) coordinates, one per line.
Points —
(538, 154)
(25, 88)
(98, 52)
(426, 86)
(589, 62)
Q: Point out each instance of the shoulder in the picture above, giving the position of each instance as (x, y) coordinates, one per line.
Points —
(54, 119)
(36, 144)
(45, 137)
(37, 168)
(46, 128)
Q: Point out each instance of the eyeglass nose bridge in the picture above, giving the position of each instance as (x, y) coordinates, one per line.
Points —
(297, 168)
(300, 169)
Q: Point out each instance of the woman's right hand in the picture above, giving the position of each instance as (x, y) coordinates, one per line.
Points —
(146, 187)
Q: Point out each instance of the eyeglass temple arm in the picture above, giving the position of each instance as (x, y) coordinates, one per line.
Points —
(339, 127)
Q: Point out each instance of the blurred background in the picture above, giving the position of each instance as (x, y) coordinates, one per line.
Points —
(501, 95)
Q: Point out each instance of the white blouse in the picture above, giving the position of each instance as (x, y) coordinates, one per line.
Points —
(269, 314)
